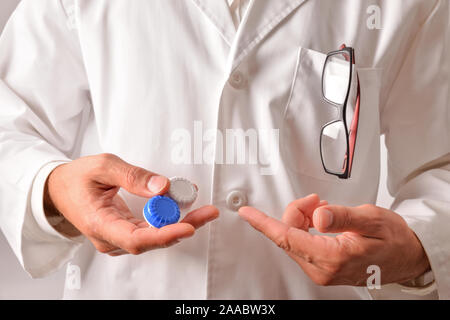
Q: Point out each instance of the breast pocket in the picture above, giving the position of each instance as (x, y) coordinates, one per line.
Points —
(307, 112)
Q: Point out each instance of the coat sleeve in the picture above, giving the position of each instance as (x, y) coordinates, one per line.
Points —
(43, 99)
(416, 122)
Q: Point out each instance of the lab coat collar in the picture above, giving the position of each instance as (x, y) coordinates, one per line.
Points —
(261, 17)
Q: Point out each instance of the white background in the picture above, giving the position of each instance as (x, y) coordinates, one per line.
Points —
(16, 284)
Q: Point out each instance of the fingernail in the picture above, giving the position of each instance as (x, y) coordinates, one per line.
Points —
(157, 184)
(326, 218)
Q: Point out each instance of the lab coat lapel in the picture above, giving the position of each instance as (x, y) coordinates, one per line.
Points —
(218, 12)
(260, 19)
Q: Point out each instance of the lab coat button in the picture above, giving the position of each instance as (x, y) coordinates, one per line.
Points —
(236, 200)
(237, 80)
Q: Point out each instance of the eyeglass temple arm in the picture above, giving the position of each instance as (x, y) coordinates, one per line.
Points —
(342, 47)
(354, 125)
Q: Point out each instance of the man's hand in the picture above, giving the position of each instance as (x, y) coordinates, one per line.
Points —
(85, 192)
(369, 236)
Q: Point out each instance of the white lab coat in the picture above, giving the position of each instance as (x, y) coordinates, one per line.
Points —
(84, 77)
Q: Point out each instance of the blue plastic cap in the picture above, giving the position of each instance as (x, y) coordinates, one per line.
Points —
(161, 211)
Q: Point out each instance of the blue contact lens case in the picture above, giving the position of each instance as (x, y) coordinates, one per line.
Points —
(161, 211)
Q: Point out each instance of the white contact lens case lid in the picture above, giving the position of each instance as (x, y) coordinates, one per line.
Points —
(182, 191)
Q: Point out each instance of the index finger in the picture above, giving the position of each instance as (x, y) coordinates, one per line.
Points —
(293, 240)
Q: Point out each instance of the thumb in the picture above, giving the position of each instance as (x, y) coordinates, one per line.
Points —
(134, 179)
(366, 220)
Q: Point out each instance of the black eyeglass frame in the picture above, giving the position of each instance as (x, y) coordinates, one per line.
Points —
(342, 112)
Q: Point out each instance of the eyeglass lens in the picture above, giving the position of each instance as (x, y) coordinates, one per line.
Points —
(336, 77)
(334, 147)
